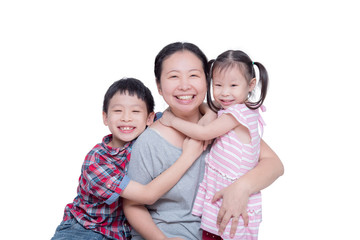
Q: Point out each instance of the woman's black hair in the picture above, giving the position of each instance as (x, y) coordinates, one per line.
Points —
(240, 59)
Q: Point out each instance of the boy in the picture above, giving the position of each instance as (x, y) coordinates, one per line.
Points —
(96, 212)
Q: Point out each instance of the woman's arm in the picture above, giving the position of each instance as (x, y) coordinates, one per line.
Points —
(140, 219)
(151, 192)
(216, 128)
(235, 197)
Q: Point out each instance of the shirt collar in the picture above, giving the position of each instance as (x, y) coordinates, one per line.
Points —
(112, 150)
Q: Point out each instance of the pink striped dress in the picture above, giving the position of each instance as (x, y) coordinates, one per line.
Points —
(227, 161)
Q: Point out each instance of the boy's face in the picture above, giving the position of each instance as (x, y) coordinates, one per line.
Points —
(126, 118)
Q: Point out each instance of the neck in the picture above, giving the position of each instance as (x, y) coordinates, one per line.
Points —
(193, 116)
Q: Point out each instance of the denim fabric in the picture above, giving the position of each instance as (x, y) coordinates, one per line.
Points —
(71, 230)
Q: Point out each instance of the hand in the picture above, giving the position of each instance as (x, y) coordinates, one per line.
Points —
(193, 148)
(206, 119)
(166, 118)
(234, 206)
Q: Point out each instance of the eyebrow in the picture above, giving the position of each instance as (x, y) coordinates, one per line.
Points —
(191, 70)
(121, 105)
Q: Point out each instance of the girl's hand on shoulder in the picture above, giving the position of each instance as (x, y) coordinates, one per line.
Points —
(193, 148)
(167, 118)
(234, 206)
(205, 120)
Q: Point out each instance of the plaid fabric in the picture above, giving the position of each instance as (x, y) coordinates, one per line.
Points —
(98, 205)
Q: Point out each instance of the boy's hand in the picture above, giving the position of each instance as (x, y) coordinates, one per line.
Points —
(193, 148)
(167, 118)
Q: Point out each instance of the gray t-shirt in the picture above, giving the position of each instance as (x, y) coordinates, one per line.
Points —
(150, 156)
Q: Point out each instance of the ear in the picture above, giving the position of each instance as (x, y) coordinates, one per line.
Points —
(105, 118)
(252, 84)
(159, 88)
(150, 119)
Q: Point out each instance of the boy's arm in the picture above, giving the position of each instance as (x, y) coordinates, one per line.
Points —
(216, 128)
(150, 193)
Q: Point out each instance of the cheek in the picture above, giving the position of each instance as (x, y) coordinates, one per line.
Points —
(201, 87)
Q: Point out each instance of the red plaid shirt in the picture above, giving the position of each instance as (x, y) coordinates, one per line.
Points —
(98, 205)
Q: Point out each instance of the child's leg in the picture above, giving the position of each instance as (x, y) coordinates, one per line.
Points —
(71, 229)
(209, 236)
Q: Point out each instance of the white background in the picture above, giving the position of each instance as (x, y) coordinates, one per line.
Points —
(57, 58)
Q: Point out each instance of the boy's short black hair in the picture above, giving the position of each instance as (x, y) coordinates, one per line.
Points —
(134, 87)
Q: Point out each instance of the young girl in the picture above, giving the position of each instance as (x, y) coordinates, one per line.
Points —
(237, 146)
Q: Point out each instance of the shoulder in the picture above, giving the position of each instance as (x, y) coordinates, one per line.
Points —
(95, 152)
(240, 111)
(146, 136)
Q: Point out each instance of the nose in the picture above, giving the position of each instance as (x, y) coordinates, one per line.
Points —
(184, 83)
(225, 91)
(126, 116)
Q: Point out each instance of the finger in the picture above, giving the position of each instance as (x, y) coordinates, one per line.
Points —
(234, 224)
(220, 217)
(245, 217)
(217, 196)
(206, 144)
(224, 222)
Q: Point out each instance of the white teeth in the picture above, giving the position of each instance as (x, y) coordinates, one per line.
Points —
(185, 97)
(126, 128)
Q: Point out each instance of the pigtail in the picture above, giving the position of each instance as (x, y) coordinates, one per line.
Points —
(263, 84)
(210, 103)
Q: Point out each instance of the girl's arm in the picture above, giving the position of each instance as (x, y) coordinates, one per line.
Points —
(151, 192)
(216, 128)
(235, 197)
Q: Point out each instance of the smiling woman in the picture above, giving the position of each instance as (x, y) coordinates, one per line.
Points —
(183, 84)
(181, 71)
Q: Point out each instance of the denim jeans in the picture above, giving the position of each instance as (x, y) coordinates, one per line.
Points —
(71, 230)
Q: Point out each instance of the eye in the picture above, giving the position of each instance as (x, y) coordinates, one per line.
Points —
(217, 85)
(135, 111)
(234, 85)
(173, 76)
(194, 75)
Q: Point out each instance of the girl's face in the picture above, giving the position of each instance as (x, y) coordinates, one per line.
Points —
(183, 84)
(230, 87)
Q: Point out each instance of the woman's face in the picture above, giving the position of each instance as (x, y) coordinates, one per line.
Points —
(183, 83)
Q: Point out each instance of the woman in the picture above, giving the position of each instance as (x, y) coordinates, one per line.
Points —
(182, 77)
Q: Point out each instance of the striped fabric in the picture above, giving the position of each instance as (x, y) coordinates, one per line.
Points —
(98, 205)
(228, 160)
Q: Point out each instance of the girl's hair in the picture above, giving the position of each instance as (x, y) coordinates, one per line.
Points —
(237, 58)
(172, 48)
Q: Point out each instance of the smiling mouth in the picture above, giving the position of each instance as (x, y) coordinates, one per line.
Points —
(189, 97)
(126, 128)
(226, 102)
